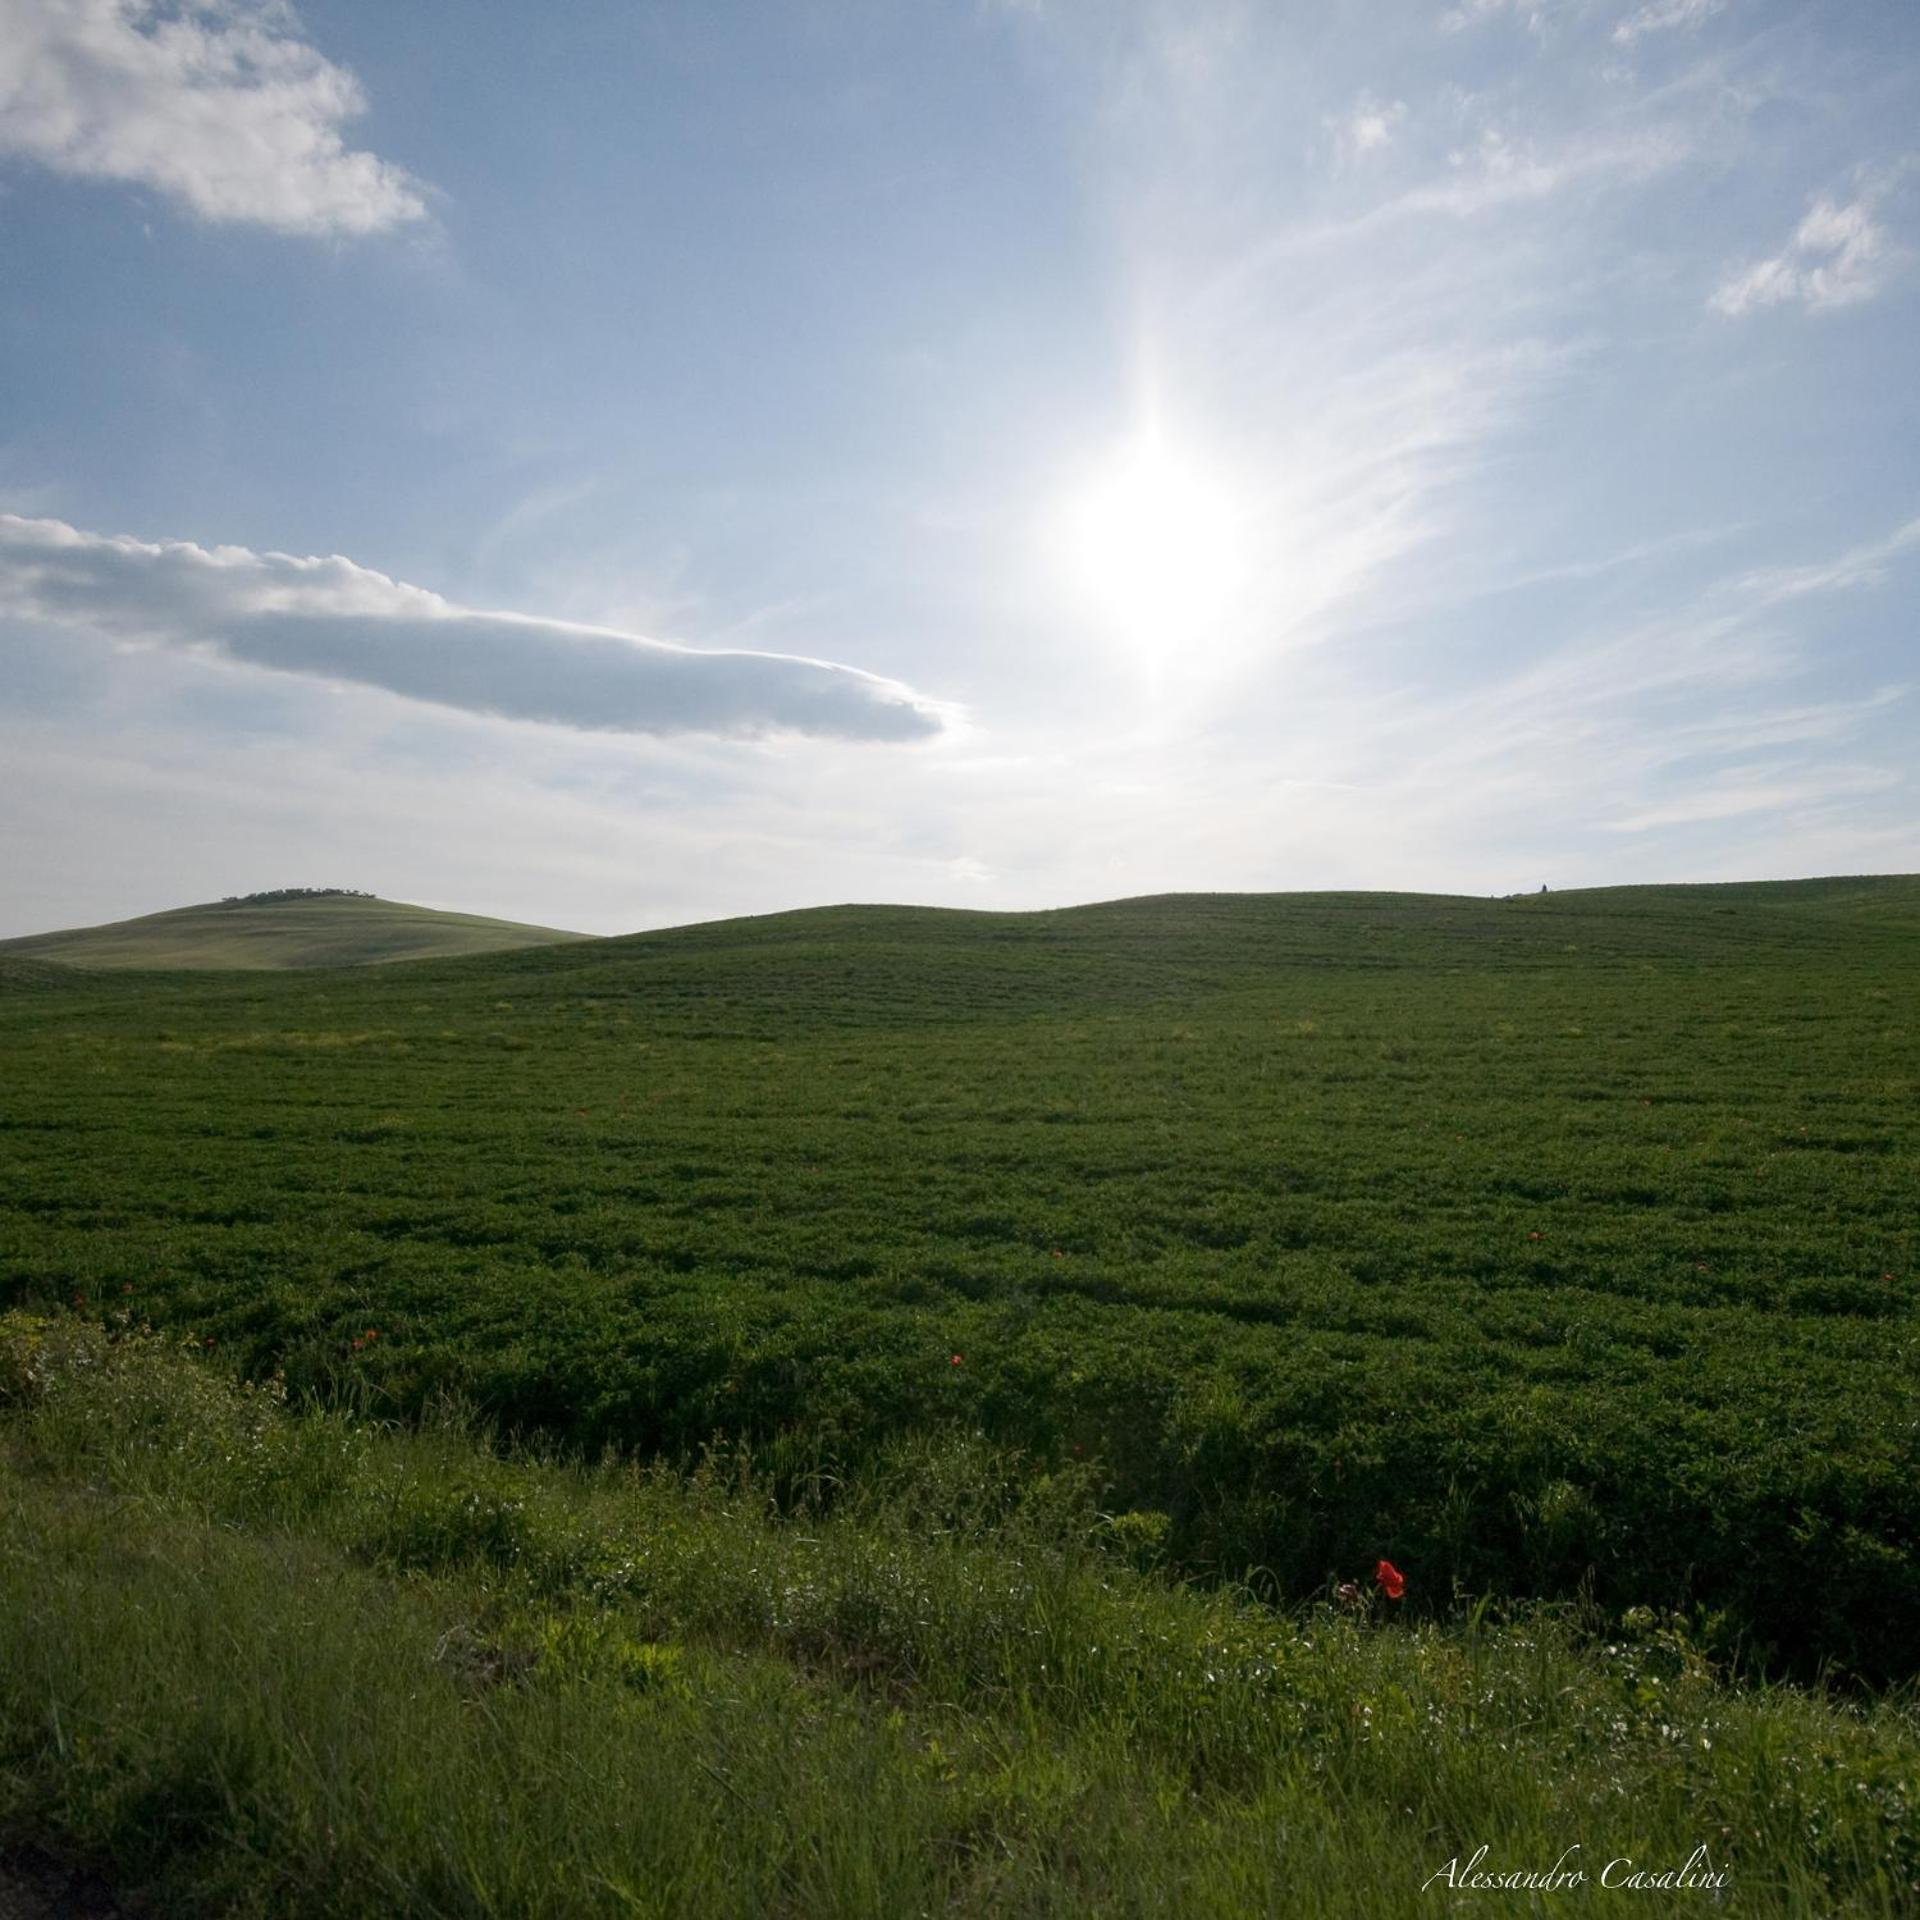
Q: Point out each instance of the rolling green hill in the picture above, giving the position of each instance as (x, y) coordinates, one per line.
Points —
(1024, 1344)
(316, 930)
(1557, 1241)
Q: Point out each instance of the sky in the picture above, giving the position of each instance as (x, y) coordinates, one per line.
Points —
(624, 463)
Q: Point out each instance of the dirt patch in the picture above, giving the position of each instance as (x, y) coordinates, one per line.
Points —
(35, 1886)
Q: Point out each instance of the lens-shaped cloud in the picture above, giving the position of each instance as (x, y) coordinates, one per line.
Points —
(336, 621)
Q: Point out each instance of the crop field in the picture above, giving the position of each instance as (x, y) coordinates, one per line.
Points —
(1553, 1246)
(877, 1411)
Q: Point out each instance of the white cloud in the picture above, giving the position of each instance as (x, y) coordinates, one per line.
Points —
(1663, 16)
(1471, 12)
(1863, 566)
(1740, 791)
(1369, 126)
(336, 621)
(1681, 720)
(1499, 171)
(1839, 256)
(219, 104)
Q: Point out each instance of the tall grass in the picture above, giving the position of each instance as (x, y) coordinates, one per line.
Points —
(263, 1659)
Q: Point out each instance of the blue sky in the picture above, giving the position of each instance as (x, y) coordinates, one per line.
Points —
(620, 464)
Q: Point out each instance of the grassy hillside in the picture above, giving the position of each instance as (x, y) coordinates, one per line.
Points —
(326, 930)
(1549, 1245)
(262, 1660)
(976, 1280)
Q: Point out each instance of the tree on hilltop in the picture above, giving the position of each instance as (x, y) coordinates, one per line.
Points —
(274, 895)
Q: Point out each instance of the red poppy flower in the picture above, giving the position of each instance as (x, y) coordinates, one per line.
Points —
(955, 1361)
(1391, 1581)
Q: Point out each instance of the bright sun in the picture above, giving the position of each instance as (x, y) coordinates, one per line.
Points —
(1154, 546)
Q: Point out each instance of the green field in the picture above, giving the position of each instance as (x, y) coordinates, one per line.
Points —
(1552, 1244)
(319, 929)
(1559, 1249)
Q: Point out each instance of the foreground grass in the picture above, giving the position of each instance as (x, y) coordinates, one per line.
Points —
(263, 1660)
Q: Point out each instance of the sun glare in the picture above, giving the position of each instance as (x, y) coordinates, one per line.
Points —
(1153, 547)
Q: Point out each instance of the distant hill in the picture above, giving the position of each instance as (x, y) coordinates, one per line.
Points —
(937, 962)
(289, 928)
(773, 973)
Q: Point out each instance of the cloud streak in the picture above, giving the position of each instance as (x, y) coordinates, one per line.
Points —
(1679, 721)
(1862, 566)
(218, 104)
(1498, 171)
(1664, 16)
(333, 620)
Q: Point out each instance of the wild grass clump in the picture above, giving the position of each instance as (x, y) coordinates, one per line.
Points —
(263, 1659)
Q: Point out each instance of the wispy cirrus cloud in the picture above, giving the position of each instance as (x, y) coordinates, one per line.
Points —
(1840, 255)
(333, 620)
(1741, 791)
(1498, 170)
(1866, 565)
(1655, 16)
(1471, 13)
(1676, 720)
(218, 104)
(1665, 16)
